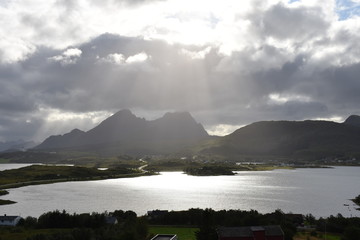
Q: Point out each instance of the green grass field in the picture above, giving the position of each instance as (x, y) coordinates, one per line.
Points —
(183, 233)
(320, 236)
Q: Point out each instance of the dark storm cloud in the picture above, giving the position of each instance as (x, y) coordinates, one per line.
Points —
(167, 78)
(283, 62)
(101, 77)
(339, 87)
(15, 127)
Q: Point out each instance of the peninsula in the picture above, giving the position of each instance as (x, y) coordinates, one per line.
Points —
(42, 174)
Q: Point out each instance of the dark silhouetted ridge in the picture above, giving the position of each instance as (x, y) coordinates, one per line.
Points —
(123, 132)
(315, 139)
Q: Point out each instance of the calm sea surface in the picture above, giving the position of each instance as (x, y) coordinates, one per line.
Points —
(321, 192)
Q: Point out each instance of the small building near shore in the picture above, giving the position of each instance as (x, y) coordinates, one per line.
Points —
(9, 220)
(251, 233)
(111, 220)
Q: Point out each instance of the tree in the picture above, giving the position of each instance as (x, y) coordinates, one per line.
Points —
(207, 230)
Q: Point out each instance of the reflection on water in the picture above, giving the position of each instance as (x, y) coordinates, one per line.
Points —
(321, 192)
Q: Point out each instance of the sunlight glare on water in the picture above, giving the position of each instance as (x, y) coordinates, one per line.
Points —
(173, 180)
(321, 192)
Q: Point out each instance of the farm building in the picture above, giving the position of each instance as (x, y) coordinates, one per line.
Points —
(251, 233)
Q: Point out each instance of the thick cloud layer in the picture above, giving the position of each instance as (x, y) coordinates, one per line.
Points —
(228, 64)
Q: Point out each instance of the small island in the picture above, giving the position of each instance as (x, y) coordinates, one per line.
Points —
(3, 192)
(208, 171)
(357, 201)
(5, 202)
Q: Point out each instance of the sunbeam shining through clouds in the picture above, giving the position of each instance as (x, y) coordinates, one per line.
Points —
(228, 63)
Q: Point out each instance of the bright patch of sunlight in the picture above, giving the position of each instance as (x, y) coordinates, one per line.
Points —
(54, 115)
(222, 129)
(196, 54)
(115, 58)
(60, 122)
(172, 180)
(69, 56)
(277, 98)
(140, 57)
(332, 119)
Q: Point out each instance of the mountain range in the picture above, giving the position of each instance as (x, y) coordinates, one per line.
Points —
(178, 132)
(123, 132)
(18, 145)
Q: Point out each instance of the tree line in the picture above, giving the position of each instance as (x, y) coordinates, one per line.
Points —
(129, 226)
(88, 226)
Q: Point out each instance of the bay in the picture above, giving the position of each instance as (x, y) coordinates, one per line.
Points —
(319, 191)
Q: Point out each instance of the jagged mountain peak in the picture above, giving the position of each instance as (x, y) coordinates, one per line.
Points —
(76, 130)
(177, 114)
(124, 116)
(177, 118)
(124, 131)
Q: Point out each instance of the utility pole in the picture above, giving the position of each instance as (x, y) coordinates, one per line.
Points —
(325, 229)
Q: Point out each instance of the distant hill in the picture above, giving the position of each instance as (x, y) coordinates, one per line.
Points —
(297, 140)
(353, 120)
(123, 132)
(16, 145)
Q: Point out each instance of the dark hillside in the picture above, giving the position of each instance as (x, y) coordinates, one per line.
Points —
(353, 120)
(291, 139)
(123, 132)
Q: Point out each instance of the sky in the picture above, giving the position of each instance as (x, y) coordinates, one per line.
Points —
(68, 64)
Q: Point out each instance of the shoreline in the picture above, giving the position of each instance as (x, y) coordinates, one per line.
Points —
(42, 174)
(240, 168)
(50, 181)
(144, 193)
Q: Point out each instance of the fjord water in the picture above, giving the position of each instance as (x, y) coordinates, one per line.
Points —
(320, 191)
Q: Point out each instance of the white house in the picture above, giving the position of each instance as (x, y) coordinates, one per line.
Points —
(9, 220)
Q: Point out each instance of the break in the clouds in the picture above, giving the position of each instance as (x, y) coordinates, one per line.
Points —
(70, 64)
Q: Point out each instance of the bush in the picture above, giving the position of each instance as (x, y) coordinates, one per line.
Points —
(313, 233)
(29, 222)
(351, 233)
